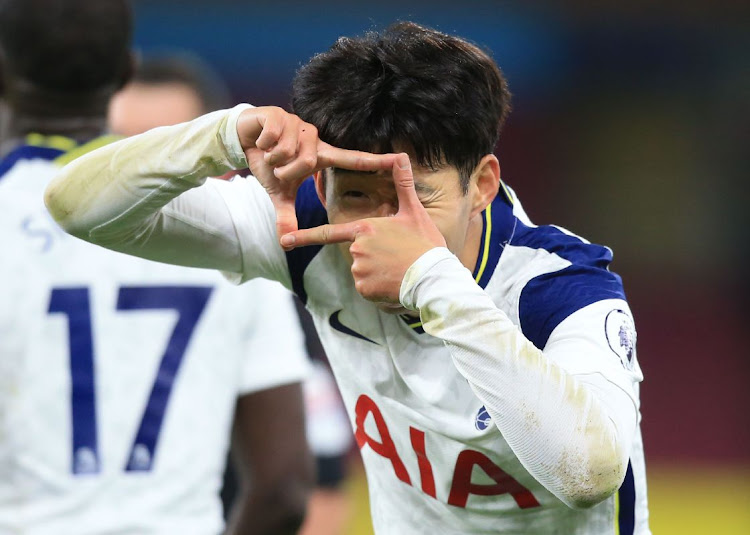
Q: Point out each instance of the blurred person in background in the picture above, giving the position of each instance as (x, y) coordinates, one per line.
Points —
(170, 88)
(488, 364)
(120, 379)
(166, 89)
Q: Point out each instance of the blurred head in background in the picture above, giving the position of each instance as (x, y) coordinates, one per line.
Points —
(166, 90)
(62, 59)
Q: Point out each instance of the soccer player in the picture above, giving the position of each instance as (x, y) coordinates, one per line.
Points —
(121, 379)
(169, 89)
(488, 365)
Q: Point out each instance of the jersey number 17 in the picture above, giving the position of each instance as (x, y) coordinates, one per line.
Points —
(75, 303)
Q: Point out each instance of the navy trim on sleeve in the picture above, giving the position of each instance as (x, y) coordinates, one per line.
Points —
(626, 497)
(27, 152)
(548, 299)
(310, 213)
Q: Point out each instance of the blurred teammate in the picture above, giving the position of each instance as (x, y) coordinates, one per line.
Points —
(120, 379)
(169, 89)
(166, 89)
(510, 405)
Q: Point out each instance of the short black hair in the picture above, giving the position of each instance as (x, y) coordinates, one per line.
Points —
(438, 94)
(186, 69)
(67, 45)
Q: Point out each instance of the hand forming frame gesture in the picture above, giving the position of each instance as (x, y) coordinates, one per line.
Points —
(282, 151)
(382, 248)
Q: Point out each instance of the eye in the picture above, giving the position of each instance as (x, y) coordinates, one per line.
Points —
(355, 194)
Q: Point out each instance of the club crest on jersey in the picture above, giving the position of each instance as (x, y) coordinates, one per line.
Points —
(621, 336)
(483, 419)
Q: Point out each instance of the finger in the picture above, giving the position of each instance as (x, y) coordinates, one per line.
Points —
(286, 213)
(307, 156)
(272, 125)
(354, 160)
(322, 235)
(403, 180)
(285, 150)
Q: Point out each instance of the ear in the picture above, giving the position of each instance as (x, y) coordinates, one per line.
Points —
(484, 183)
(320, 185)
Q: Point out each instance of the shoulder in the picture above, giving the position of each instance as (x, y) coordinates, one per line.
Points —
(562, 243)
(20, 157)
(26, 177)
(557, 273)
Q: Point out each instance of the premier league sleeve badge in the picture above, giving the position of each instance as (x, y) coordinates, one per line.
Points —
(621, 336)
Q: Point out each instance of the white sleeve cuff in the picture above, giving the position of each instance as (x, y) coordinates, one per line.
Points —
(417, 271)
(231, 139)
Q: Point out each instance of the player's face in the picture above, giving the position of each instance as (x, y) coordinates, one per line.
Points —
(354, 195)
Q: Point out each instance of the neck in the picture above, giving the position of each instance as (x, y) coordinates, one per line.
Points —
(78, 115)
(470, 251)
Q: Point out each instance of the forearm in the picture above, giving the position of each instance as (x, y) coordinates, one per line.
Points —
(254, 515)
(121, 195)
(274, 463)
(557, 426)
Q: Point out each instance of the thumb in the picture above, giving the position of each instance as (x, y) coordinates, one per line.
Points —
(403, 180)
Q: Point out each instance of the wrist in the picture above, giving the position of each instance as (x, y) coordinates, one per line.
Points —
(417, 273)
(231, 135)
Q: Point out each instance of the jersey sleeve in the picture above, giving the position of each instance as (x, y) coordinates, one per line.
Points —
(149, 196)
(572, 432)
(600, 339)
(254, 222)
(575, 310)
(274, 344)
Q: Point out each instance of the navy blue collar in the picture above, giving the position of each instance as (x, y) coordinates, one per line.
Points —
(498, 223)
(27, 152)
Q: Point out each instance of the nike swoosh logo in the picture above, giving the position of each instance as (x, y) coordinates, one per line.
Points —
(340, 327)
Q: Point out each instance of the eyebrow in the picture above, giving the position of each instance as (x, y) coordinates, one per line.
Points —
(423, 188)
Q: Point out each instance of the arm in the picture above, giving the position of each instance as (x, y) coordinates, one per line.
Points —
(270, 448)
(138, 195)
(124, 196)
(275, 466)
(573, 433)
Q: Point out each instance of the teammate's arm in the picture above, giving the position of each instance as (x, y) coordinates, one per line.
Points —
(134, 195)
(275, 466)
(572, 433)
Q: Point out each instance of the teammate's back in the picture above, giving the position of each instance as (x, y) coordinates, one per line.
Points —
(119, 378)
(117, 395)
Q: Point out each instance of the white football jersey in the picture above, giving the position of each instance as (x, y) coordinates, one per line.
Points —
(435, 462)
(509, 410)
(119, 376)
